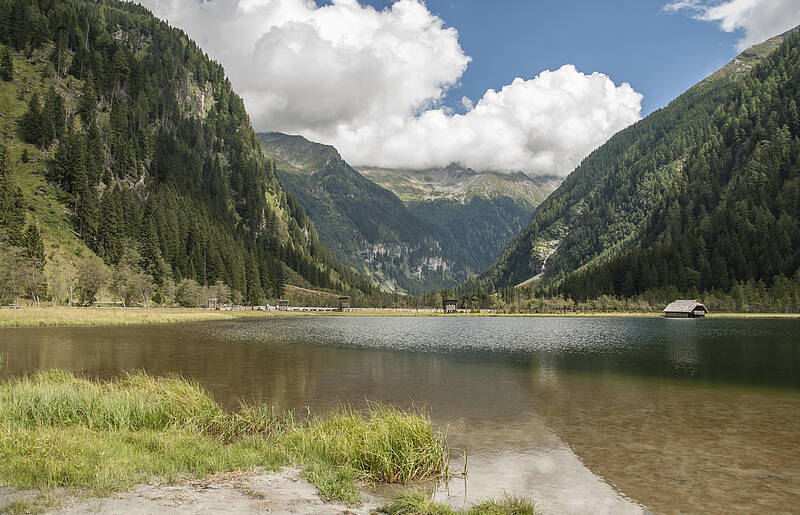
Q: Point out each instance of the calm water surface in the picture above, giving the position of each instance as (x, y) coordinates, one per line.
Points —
(585, 415)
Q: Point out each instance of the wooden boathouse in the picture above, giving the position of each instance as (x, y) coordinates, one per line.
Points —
(685, 309)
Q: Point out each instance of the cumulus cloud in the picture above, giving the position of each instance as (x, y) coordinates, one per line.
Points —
(372, 83)
(542, 125)
(758, 19)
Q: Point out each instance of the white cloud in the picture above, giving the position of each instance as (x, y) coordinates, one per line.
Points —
(372, 84)
(542, 125)
(759, 19)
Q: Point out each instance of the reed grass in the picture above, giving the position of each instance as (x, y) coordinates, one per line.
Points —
(59, 430)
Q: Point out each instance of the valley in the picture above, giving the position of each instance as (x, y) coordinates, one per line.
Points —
(408, 231)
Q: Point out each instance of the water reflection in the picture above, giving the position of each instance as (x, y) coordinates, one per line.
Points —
(584, 415)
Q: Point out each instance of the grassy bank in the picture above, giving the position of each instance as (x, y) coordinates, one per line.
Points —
(74, 317)
(58, 430)
(66, 316)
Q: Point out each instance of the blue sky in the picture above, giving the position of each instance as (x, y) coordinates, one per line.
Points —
(661, 54)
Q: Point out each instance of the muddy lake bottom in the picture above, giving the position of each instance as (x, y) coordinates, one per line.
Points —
(584, 415)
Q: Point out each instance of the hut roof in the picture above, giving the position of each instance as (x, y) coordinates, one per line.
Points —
(684, 306)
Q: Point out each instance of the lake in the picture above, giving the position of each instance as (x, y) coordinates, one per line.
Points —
(584, 415)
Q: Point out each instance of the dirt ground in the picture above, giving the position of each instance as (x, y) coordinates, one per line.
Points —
(262, 492)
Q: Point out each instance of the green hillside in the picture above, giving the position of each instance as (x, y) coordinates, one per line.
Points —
(407, 231)
(701, 195)
(126, 142)
(364, 225)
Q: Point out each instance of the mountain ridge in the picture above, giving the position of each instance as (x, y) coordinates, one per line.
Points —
(604, 217)
(415, 246)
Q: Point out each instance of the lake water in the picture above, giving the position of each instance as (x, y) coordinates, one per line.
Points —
(585, 415)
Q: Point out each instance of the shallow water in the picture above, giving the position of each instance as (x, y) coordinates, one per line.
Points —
(585, 415)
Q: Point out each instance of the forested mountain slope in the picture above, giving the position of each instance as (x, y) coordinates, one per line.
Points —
(407, 230)
(123, 136)
(700, 195)
(364, 225)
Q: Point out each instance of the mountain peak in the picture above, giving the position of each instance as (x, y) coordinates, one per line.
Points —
(751, 56)
(297, 150)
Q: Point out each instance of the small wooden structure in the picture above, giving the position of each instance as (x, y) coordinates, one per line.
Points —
(685, 309)
(283, 305)
(344, 303)
(450, 305)
(212, 304)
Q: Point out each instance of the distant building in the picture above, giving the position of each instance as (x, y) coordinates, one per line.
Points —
(344, 304)
(283, 305)
(685, 309)
(450, 305)
(212, 304)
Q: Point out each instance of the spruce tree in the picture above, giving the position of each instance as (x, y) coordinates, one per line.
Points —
(6, 65)
(34, 247)
(31, 121)
(54, 115)
(12, 205)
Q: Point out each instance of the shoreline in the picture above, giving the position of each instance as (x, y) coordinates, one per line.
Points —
(146, 444)
(101, 316)
(247, 491)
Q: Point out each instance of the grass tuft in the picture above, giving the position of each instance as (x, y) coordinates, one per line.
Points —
(18, 506)
(415, 502)
(508, 505)
(384, 445)
(59, 430)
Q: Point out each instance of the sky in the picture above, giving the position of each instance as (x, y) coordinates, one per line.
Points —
(505, 85)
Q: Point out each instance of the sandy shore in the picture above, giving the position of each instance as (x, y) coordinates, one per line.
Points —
(239, 492)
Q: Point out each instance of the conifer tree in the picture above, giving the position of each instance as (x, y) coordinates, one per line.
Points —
(34, 247)
(6, 65)
(31, 121)
(12, 206)
(87, 104)
(53, 116)
(111, 230)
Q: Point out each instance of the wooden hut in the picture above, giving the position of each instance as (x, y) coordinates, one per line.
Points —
(450, 305)
(344, 304)
(283, 305)
(685, 309)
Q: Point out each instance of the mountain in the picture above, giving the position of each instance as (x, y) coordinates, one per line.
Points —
(122, 135)
(478, 213)
(701, 195)
(409, 231)
(364, 225)
(458, 183)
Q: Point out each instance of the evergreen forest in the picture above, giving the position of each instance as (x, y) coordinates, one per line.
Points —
(124, 143)
(701, 197)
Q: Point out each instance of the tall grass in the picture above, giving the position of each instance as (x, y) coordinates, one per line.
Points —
(57, 429)
(383, 445)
